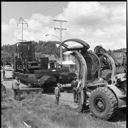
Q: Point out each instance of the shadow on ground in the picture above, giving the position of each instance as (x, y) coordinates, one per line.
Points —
(120, 115)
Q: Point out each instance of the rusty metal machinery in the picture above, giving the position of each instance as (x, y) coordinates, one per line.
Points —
(36, 73)
(103, 87)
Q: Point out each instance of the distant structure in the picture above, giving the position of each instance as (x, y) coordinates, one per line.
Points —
(52, 60)
(120, 55)
(61, 30)
(22, 22)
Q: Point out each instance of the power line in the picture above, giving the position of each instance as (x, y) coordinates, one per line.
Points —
(61, 30)
(22, 22)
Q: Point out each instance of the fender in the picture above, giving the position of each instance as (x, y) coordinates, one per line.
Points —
(119, 95)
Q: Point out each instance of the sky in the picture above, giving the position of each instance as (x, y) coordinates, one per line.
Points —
(97, 23)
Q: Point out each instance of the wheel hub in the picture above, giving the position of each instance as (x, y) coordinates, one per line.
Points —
(99, 104)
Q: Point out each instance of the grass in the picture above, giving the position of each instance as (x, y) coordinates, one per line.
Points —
(40, 111)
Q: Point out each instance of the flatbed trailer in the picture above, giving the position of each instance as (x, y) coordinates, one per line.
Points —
(28, 90)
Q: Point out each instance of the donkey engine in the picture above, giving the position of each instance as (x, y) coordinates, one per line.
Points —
(103, 87)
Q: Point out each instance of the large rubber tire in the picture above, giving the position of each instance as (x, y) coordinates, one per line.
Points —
(102, 103)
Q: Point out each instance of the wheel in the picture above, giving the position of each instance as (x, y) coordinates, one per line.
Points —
(102, 103)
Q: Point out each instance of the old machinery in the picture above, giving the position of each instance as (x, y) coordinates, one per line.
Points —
(103, 86)
(35, 72)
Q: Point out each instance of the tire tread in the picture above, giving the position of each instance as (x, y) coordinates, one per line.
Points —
(112, 98)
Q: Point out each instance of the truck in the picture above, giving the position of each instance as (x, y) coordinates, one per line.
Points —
(103, 80)
(35, 72)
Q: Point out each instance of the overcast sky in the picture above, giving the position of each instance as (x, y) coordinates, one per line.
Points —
(97, 23)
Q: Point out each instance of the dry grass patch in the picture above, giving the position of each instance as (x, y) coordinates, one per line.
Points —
(40, 111)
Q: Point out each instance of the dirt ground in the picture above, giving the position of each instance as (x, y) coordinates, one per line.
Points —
(41, 111)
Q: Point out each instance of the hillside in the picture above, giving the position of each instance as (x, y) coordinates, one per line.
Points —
(40, 47)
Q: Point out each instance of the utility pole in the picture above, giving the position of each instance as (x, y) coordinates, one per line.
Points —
(61, 29)
(22, 22)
